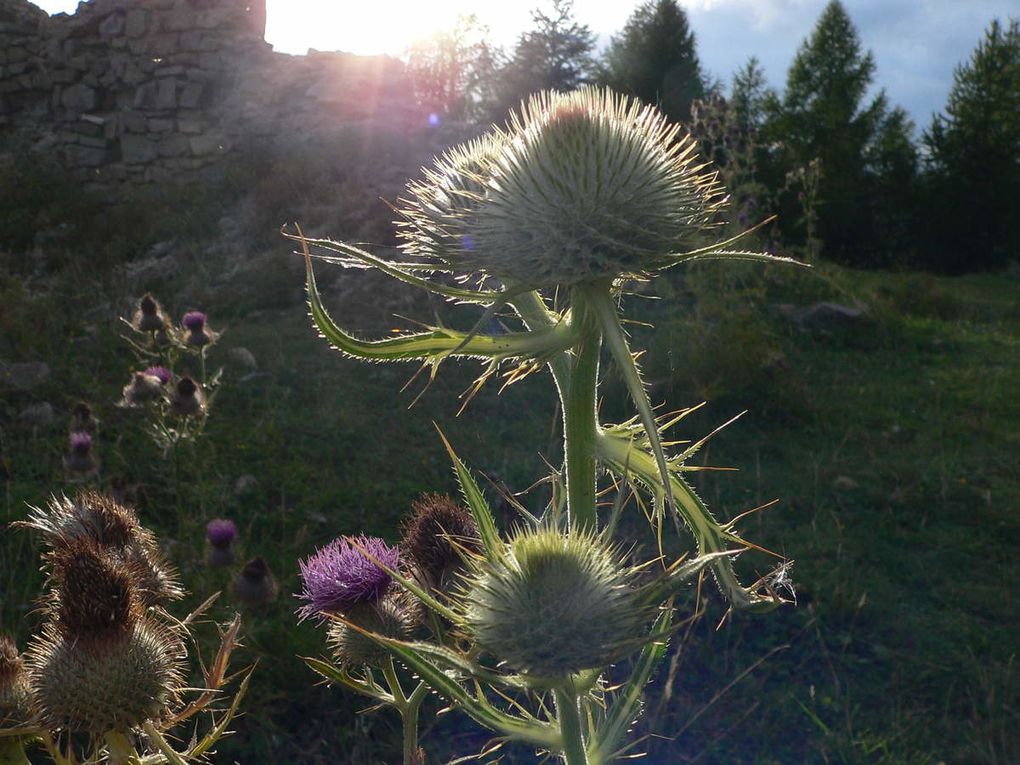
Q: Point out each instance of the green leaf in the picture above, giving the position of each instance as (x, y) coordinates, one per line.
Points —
(627, 702)
(337, 675)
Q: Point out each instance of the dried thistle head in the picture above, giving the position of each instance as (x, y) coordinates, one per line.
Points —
(142, 389)
(15, 694)
(436, 538)
(188, 399)
(98, 517)
(149, 315)
(586, 186)
(94, 597)
(554, 604)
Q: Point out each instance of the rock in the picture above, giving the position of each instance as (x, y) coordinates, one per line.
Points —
(166, 94)
(201, 145)
(137, 149)
(829, 316)
(37, 415)
(112, 25)
(244, 484)
(136, 22)
(243, 358)
(78, 98)
(23, 376)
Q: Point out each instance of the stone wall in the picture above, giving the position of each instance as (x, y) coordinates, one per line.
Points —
(145, 91)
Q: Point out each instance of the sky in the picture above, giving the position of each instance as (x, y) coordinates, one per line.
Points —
(916, 43)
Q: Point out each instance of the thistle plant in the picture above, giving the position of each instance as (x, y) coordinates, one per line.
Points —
(103, 680)
(547, 223)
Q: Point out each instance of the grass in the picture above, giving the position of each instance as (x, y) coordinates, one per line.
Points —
(890, 446)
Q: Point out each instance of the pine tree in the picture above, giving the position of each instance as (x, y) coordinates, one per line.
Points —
(823, 115)
(974, 157)
(655, 59)
(748, 95)
(556, 54)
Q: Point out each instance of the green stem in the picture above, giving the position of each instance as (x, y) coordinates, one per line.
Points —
(172, 755)
(410, 720)
(122, 751)
(570, 726)
(12, 752)
(580, 425)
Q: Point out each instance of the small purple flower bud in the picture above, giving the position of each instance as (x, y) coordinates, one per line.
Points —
(160, 372)
(194, 321)
(220, 532)
(81, 443)
(340, 576)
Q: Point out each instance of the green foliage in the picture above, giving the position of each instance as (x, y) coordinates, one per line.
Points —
(655, 59)
(556, 54)
(823, 114)
(454, 72)
(974, 156)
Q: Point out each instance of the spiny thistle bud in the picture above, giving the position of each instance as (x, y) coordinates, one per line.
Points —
(554, 604)
(81, 459)
(220, 533)
(188, 399)
(388, 617)
(587, 186)
(255, 586)
(436, 538)
(340, 576)
(142, 389)
(99, 518)
(114, 683)
(149, 315)
(198, 334)
(15, 695)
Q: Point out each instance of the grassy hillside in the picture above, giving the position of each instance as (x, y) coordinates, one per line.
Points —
(890, 444)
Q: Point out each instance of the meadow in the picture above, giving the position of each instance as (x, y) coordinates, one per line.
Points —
(887, 442)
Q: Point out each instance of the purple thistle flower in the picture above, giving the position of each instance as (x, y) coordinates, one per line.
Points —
(161, 373)
(81, 443)
(220, 532)
(194, 321)
(339, 576)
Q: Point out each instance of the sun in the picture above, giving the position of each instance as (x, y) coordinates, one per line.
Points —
(365, 28)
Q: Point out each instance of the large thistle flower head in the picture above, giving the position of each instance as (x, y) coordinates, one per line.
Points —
(346, 573)
(585, 186)
(555, 604)
(15, 693)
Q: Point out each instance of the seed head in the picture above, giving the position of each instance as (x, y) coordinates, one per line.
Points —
(586, 186)
(554, 604)
(142, 389)
(94, 597)
(340, 576)
(436, 538)
(83, 420)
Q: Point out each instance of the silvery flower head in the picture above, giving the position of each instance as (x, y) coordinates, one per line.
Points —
(340, 575)
(149, 315)
(585, 186)
(142, 389)
(187, 399)
(555, 604)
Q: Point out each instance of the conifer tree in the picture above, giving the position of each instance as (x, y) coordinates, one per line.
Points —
(654, 58)
(974, 157)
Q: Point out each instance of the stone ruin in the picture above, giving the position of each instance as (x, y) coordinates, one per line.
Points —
(137, 92)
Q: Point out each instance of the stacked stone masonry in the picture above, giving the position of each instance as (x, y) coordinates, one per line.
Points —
(146, 91)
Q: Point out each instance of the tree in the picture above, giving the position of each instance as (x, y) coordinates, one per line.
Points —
(654, 58)
(453, 72)
(974, 157)
(556, 54)
(822, 114)
(748, 95)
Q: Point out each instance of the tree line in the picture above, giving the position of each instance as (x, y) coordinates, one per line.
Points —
(844, 169)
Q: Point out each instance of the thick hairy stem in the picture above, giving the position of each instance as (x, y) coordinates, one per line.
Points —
(409, 717)
(122, 751)
(568, 716)
(580, 425)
